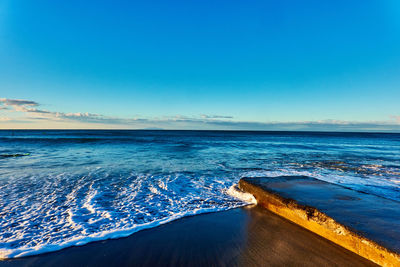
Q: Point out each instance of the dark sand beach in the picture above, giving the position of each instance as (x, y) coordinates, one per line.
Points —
(249, 236)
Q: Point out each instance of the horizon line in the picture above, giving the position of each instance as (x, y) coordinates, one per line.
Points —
(201, 130)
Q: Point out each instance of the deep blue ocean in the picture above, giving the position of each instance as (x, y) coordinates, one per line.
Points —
(64, 188)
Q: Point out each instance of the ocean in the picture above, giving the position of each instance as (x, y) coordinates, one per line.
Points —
(60, 188)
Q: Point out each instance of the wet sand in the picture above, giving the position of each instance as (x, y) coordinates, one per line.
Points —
(250, 236)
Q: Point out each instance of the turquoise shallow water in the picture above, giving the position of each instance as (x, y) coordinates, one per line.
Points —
(64, 188)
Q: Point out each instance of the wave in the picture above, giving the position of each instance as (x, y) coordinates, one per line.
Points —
(236, 192)
(15, 155)
(48, 213)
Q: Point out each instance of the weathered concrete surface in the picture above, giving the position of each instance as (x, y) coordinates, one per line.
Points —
(365, 224)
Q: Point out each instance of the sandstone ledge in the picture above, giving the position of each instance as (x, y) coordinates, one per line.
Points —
(364, 224)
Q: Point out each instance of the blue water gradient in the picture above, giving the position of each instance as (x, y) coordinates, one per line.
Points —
(64, 188)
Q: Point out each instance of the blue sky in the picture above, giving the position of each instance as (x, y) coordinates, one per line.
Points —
(262, 65)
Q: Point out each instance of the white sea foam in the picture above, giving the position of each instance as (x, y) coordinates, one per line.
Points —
(79, 241)
(82, 210)
(86, 211)
(236, 192)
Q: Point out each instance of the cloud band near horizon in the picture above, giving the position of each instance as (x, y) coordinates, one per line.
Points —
(27, 114)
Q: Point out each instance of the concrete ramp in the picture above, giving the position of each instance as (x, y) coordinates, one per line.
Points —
(363, 223)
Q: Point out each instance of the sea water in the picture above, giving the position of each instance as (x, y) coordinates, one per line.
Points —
(65, 188)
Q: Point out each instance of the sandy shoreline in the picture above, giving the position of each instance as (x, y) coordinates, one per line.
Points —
(240, 237)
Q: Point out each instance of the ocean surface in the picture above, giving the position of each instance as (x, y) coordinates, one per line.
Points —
(65, 188)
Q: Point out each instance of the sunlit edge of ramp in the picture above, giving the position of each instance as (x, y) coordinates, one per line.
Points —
(319, 223)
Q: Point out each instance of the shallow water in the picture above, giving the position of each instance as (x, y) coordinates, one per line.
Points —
(63, 188)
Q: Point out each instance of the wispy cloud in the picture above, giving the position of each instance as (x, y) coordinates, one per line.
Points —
(215, 117)
(396, 118)
(30, 107)
(326, 125)
(19, 105)
(32, 113)
(18, 102)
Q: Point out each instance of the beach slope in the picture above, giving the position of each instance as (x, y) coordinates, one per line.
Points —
(249, 236)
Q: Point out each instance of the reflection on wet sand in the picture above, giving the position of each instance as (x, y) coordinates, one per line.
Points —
(272, 240)
(249, 236)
